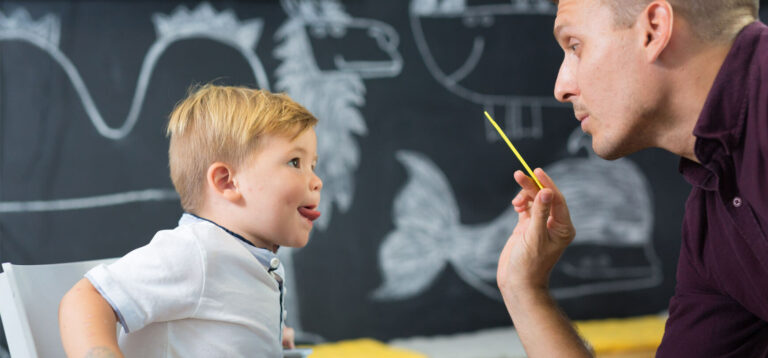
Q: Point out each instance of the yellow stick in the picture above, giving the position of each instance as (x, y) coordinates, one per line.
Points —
(519, 157)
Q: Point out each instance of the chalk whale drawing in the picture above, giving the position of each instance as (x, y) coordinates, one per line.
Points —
(332, 94)
(202, 22)
(483, 37)
(609, 203)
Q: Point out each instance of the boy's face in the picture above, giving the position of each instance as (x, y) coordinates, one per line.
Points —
(280, 190)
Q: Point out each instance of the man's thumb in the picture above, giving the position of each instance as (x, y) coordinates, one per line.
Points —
(541, 208)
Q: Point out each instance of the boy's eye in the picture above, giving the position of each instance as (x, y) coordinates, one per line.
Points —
(294, 162)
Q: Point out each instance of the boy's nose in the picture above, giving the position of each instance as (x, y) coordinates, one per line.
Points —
(315, 183)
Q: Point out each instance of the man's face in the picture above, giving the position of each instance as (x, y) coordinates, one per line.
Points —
(599, 76)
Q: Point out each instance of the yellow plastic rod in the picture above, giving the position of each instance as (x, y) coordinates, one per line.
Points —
(519, 157)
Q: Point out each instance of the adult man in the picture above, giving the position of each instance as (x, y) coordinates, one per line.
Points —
(690, 77)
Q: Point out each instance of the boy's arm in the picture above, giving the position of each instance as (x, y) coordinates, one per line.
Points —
(87, 323)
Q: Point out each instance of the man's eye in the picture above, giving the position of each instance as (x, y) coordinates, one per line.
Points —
(294, 162)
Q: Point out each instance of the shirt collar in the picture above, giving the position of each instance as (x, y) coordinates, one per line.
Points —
(266, 257)
(721, 122)
(720, 126)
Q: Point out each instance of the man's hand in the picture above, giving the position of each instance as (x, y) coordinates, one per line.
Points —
(543, 231)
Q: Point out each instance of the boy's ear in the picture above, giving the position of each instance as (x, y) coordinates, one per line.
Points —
(656, 23)
(221, 179)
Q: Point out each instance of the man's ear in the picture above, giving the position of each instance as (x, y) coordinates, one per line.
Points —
(656, 23)
(221, 180)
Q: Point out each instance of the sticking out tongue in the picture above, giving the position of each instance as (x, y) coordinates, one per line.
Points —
(309, 213)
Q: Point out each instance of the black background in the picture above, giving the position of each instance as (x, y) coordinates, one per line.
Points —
(49, 149)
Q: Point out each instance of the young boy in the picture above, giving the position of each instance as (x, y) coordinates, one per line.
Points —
(242, 161)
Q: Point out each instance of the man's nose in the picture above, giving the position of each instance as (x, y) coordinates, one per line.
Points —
(565, 85)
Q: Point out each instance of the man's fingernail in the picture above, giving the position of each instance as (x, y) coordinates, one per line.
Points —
(546, 197)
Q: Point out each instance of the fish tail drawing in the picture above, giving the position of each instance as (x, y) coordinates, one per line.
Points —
(425, 216)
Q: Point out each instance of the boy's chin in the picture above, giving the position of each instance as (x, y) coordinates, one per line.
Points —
(296, 244)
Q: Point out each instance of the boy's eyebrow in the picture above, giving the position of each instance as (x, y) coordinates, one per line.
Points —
(303, 151)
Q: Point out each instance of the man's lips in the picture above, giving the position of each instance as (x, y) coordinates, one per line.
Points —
(309, 212)
(582, 118)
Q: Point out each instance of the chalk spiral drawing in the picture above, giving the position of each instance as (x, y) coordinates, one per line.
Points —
(203, 22)
(332, 95)
(473, 18)
(609, 204)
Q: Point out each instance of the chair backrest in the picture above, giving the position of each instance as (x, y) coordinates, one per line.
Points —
(29, 305)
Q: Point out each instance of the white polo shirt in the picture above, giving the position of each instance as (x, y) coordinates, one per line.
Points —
(196, 291)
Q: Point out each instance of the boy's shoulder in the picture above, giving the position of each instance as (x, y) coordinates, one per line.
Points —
(192, 231)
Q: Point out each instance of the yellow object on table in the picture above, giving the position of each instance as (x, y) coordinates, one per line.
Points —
(357, 348)
(623, 335)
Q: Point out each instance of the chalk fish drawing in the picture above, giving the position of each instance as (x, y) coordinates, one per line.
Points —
(610, 207)
(486, 49)
(333, 95)
(203, 22)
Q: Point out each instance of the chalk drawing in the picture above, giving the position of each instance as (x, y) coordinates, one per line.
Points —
(89, 202)
(473, 18)
(332, 95)
(609, 203)
(202, 22)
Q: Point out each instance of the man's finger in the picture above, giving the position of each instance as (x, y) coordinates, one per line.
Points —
(559, 206)
(540, 211)
(525, 182)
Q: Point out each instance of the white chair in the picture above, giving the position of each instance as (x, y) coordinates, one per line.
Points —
(29, 305)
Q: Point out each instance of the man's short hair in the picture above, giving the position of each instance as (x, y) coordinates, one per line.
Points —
(712, 20)
(223, 123)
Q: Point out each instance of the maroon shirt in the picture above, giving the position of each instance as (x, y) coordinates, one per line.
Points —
(720, 307)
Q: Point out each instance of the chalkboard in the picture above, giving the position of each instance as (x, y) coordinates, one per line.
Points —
(417, 184)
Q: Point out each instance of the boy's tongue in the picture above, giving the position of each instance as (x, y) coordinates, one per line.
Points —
(309, 213)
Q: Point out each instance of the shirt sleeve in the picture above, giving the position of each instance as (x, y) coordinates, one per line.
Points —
(161, 281)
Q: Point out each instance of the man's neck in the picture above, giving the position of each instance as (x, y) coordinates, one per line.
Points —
(690, 84)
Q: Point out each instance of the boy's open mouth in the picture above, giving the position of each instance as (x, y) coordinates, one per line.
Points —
(309, 212)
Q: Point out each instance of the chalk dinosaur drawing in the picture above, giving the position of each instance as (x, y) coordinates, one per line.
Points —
(202, 22)
(333, 95)
(609, 203)
(482, 32)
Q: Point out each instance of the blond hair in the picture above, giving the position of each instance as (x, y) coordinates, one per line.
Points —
(712, 20)
(224, 123)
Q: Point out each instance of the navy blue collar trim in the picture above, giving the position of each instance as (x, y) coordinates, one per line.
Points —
(227, 230)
